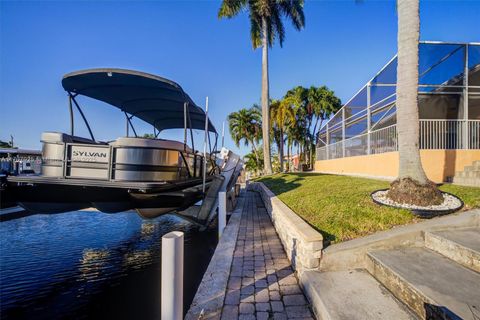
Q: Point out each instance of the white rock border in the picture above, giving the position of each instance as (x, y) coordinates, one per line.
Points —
(451, 203)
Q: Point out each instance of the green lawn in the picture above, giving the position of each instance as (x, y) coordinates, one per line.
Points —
(340, 207)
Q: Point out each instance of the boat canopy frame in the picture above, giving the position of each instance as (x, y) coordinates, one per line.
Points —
(155, 100)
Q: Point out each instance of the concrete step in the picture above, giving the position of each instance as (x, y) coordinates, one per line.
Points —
(471, 182)
(433, 286)
(468, 174)
(473, 168)
(353, 294)
(460, 245)
(472, 174)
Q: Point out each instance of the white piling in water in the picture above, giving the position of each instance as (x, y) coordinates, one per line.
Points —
(172, 276)
(222, 212)
(205, 145)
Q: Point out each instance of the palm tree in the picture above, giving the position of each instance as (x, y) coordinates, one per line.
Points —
(311, 107)
(296, 133)
(412, 185)
(323, 103)
(266, 25)
(290, 128)
(245, 124)
(254, 162)
(281, 114)
(275, 134)
(298, 98)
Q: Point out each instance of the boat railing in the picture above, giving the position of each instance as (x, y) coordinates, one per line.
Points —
(140, 161)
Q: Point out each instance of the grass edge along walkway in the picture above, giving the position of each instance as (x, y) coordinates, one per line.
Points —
(340, 206)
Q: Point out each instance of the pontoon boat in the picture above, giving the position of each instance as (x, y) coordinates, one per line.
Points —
(153, 176)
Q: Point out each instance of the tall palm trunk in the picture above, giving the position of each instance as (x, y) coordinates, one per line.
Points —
(280, 151)
(254, 147)
(312, 153)
(314, 145)
(265, 100)
(407, 91)
(308, 145)
(412, 185)
(288, 155)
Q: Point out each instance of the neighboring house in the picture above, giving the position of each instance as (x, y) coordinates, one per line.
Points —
(293, 161)
(361, 138)
(16, 161)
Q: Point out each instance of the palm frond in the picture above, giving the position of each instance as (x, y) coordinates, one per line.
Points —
(293, 9)
(277, 26)
(230, 8)
(255, 31)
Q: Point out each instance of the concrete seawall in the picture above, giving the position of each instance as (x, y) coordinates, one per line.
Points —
(208, 301)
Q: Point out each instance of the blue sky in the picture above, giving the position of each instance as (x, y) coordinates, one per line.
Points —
(343, 45)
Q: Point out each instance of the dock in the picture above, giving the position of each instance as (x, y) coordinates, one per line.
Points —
(250, 275)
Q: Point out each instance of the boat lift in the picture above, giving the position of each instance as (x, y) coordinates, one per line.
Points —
(231, 166)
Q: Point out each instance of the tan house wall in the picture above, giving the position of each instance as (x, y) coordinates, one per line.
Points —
(438, 164)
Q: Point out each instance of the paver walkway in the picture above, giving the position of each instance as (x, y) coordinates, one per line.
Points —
(262, 284)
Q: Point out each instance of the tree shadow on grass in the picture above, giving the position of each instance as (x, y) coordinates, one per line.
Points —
(282, 183)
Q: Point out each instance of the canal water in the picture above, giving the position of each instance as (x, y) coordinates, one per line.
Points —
(87, 264)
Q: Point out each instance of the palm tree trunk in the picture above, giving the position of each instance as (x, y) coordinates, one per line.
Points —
(412, 185)
(280, 151)
(312, 153)
(315, 128)
(265, 100)
(291, 162)
(288, 155)
(314, 142)
(254, 147)
(407, 91)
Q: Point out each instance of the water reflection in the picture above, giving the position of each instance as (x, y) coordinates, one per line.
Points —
(136, 259)
(147, 229)
(90, 264)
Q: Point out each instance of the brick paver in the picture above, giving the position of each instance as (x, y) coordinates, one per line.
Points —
(262, 283)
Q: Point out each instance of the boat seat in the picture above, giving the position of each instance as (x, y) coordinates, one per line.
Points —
(59, 137)
(150, 143)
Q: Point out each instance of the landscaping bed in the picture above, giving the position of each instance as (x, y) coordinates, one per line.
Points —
(340, 207)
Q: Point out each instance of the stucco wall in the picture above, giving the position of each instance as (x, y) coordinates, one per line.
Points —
(438, 164)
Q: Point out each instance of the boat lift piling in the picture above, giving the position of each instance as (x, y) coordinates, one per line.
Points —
(222, 212)
(205, 146)
(172, 276)
(231, 165)
(223, 134)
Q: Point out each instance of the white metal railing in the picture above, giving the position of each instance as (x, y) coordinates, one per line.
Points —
(434, 134)
(384, 140)
(442, 134)
(335, 150)
(321, 153)
(474, 134)
(356, 146)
